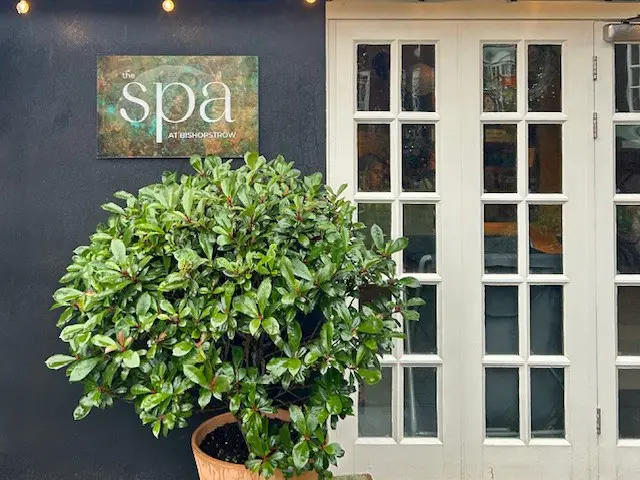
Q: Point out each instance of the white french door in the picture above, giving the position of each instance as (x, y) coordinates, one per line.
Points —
(618, 255)
(473, 139)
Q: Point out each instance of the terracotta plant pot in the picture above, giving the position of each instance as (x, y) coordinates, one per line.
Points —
(210, 468)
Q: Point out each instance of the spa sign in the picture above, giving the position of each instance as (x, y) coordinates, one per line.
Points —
(177, 106)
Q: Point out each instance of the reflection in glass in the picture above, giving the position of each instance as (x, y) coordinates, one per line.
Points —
(545, 78)
(419, 158)
(421, 334)
(500, 239)
(420, 402)
(374, 75)
(629, 320)
(545, 158)
(419, 226)
(628, 403)
(500, 158)
(628, 158)
(374, 407)
(628, 238)
(545, 238)
(375, 214)
(418, 78)
(545, 316)
(501, 320)
(627, 77)
(547, 403)
(373, 158)
(499, 78)
(502, 406)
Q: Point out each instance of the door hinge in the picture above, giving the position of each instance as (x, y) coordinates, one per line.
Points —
(598, 420)
(595, 124)
(595, 68)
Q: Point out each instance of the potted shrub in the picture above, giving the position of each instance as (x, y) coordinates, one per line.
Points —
(233, 289)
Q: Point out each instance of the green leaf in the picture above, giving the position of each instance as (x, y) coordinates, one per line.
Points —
(370, 377)
(398, 244)
(143, 305)
(196, 375)
(334, 405)
(139, 390)
(131, 359)
(264, 292)
(82, 368)
(81, 411)
(301, 454)
(294, 334)
(378, 236)
(56, 362)
(64, 295)
(221, 384)
(294, 365)
(246, 305)
(326, 335)
(277, 366)
(182, 348)
(103, 341)
(297, 418)
(119, 251)
(187, 201)
(371, 325)
(153, 400)
(271, 326)
(300, 270)
(155, 428)
(204, 398)
(409, 282)
(113, 208)
(234, 404)
(254, 326)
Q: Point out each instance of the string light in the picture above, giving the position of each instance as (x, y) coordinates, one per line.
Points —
(168, 6)
(23, 7)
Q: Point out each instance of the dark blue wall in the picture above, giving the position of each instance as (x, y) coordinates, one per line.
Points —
(51, 186)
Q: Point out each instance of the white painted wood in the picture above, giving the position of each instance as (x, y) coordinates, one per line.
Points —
(526, 458)
(479, 10)
(461, 451)
(618, 459)
(410, 458)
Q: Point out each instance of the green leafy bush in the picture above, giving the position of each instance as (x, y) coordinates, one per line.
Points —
(236, 289)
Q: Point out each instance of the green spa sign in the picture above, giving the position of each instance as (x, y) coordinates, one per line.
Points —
(177, 106)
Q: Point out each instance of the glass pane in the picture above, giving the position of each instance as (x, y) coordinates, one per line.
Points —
(500, 239)
(373, 158)
(545, 78)
(420, 402)
(500, 158)
(628, 158)
(626, 66)
(419, 226)
(502, 402)
(421, 334)
(547, 403)
(378, 214)
(419, 158)
(628, 403)
(501, 320)
(374, 407)
(628, 238)
(628, 320)
(419, 78)
(545, 158)
(500, 78)
(545, 316)
(374, 76)
(545, 238)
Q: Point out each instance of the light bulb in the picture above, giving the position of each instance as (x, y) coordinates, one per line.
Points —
(22, 7)
(168, 5)
(310, 2)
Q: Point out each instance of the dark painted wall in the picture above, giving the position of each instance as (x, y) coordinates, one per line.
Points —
(51, 186)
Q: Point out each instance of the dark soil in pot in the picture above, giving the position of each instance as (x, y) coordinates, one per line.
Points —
(227, 443)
